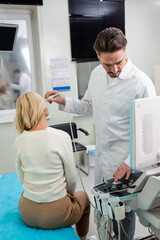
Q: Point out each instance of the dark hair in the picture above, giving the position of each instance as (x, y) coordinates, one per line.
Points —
(17, 71)
(110, 40)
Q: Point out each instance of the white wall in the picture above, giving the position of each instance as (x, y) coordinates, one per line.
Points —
(55, 43)
(51, 40)
(142, 19)
(54, 32)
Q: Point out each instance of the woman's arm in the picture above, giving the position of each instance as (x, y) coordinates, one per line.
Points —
(19, 171)
(69, 165)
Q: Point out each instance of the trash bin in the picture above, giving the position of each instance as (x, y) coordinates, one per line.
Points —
(91, 151)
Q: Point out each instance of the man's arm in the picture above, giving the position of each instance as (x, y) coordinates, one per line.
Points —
(80, 107)
(76, 106)
(15, 86)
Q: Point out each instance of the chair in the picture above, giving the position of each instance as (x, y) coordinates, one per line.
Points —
(79, 147)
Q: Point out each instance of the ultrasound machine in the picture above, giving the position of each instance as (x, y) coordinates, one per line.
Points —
(141, 193)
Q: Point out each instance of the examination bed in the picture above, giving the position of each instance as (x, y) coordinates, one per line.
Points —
(11, 224)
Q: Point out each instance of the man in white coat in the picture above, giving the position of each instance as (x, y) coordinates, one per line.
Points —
(113, 85)
(24, 85)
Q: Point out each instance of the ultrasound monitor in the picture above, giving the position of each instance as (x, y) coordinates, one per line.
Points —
(144, 133)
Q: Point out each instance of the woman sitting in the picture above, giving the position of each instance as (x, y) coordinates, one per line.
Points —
(45, 166)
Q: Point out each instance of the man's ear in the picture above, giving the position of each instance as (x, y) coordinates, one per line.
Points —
(98, 54)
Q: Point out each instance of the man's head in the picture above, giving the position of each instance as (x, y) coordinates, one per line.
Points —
(17, 72)
(110, 46)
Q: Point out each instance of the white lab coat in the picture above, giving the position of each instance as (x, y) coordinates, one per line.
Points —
(24, 85)
(110, 106)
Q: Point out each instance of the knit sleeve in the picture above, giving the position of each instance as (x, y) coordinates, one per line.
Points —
(69, 165)
(19, 171)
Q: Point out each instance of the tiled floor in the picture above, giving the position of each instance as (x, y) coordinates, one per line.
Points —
(88, 182)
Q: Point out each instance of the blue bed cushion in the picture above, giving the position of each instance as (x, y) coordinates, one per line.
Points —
(11, 224)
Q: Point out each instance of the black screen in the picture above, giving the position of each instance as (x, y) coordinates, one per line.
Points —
(8, 37)
(22, 2)
(87, 19)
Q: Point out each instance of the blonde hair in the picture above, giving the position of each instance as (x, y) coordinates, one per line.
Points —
(29, 110)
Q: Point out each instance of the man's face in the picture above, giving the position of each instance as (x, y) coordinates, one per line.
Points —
(113, 62)
(17, 75)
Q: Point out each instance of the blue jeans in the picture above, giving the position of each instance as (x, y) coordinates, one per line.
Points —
(128, 224)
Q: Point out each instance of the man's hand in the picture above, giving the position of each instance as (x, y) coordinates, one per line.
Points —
(122, 170)
(58, 99)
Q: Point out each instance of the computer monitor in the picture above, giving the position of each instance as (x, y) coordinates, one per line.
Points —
(89, 17)
(8, 33)
(144, 133)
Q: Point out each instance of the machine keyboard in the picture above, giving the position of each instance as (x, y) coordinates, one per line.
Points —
(110, 186)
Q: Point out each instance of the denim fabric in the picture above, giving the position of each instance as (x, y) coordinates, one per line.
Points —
(128, 224)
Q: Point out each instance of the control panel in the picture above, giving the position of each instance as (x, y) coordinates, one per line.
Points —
(117, 188)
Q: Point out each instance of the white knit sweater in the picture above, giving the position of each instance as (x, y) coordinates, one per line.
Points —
(45, 164)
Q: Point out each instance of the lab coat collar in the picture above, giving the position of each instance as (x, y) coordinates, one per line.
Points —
(126, 70)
